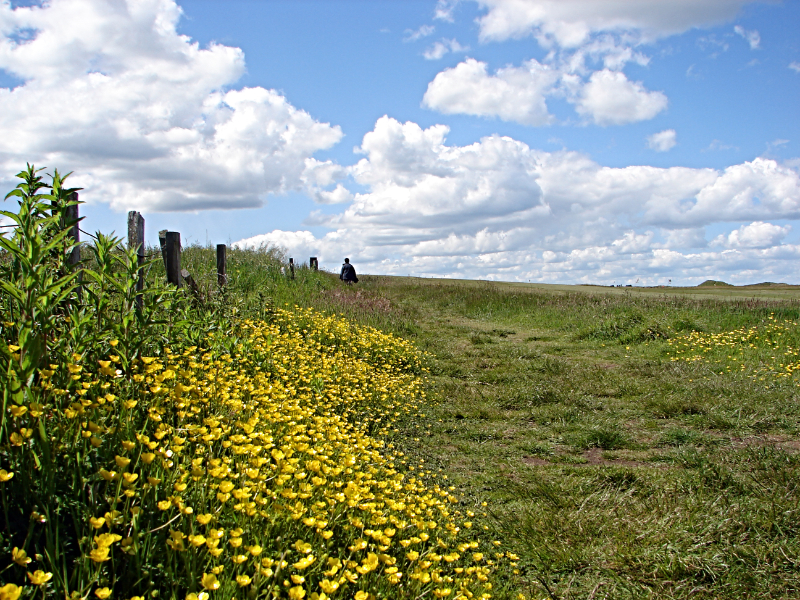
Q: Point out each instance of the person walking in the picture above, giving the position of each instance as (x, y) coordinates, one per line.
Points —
(348, 274)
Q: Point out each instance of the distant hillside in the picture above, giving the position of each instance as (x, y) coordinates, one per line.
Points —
(712, 283)
(767, 284)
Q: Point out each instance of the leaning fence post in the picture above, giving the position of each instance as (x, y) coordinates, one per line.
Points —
(222, 264)
(291, 267)
(162, 241)
(313, 263)
(173, 262)
(136, 240)
(72, 215)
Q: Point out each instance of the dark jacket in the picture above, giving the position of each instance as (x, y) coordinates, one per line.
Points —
(348, 273)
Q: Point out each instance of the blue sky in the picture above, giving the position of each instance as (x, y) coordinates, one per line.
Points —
(528, 140)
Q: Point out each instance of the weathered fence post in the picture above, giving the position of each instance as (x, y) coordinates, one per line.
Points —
(136, 240)
(291, 267)
(173, 260)
(72, 215)
(162, 241)
(313, 263)
(222, 264)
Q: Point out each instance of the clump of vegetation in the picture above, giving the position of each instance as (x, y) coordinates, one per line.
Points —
(206, 446)
(765, 352)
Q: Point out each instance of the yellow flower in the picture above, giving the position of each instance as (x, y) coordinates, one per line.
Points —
(225, 487)
(106, 540)
(5, 475)
(100, 554)
(121, 461)
(242, 580)
(297, 592)
(148, 457)
(97, 523)
(40, 577)
(239, 559)
(10, 592)
(204, 519)
(128, 445)
(209, 581)
(102, 593)
(108, 475)
(304, 562)
(361, 595)
(18, 411)
(255, 550)
(328, 586)
(20, 557)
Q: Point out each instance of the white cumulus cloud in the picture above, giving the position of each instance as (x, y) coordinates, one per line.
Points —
(609, 98)
(512, 93)
(143, 114)
(755, 235)
(500, 209)
(662, 141)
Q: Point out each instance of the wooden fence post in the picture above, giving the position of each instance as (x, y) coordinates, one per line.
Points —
(313, 263)
(72, 215)
(162, 241)
(291, 267)
(222, 264)
(173, 262)
(136, 240)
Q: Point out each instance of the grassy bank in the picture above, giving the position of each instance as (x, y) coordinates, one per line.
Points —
(616, 467)
(218, 442)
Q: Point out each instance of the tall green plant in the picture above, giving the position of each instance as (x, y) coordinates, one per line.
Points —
(35, 280)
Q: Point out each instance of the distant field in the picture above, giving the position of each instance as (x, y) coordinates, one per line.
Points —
(766, 290)
(628, 442)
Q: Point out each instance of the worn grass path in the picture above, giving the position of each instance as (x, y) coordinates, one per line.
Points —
(612, 470)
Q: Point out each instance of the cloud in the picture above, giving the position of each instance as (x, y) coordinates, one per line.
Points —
(444, 10)
(662, 141)
(795, 66)
(755, 235)
(512, 94)
(423, 31)
(752, 37)
(442, 47)
(609, 98)
(500, 209)
(570, 23)
(145, 115)
(719, 145)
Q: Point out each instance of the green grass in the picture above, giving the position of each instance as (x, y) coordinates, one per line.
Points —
(612, 470)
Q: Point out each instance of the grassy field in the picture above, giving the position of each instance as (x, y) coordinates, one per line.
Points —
(615, 466)
(552, 441)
